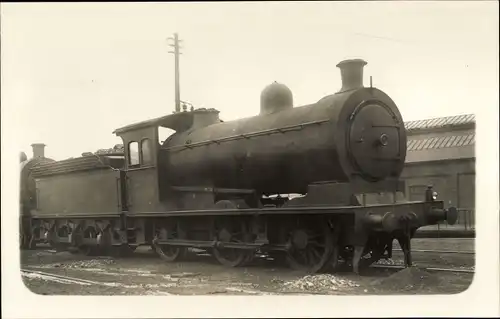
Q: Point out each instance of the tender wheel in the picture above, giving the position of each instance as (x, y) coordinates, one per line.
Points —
(24, 235)
(89, 250)
(55, 234)
(311, 246)
(35, 236)
(23, 240)
(235, 232)
(32, 239)
(105, 246)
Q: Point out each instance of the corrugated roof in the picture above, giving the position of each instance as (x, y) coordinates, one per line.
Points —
(440, 122)
(441, 142)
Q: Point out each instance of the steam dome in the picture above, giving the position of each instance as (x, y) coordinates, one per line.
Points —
(274, 98)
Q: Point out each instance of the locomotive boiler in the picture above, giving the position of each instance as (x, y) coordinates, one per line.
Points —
(208, 184)
(355, 133)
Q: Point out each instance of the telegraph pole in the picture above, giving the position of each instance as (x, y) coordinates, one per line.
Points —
(176, 53)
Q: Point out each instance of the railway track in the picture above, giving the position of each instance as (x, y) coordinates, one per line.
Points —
(70, 280)
(73, 280)
(457, 252)
(201, 253)
(57, 278)
(84, 282)
(430, 264)
(433, 269)
(68, 283)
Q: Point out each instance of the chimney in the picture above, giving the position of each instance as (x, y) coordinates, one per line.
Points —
(351, 72)
(38, 150)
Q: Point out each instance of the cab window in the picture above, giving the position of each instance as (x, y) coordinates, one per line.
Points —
(133, 154)
(146, 151)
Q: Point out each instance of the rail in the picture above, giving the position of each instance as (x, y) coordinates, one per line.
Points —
(464, 227)
(457, 252)
(437, 269)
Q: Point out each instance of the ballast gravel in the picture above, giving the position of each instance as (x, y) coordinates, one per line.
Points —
(320, 282)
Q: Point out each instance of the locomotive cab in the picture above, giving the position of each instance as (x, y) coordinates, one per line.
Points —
(146, 191)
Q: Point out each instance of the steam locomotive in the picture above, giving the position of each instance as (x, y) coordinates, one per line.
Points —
(316, 184)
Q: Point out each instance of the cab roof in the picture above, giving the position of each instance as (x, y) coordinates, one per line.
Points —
(180, 121)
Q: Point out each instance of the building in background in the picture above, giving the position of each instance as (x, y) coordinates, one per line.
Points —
(440, 152)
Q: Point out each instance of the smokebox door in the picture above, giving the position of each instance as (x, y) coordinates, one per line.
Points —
(374, 141)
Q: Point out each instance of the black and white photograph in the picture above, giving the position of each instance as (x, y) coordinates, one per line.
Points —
(309, 151)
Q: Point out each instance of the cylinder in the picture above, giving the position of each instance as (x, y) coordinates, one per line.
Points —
(381, 221)
(449, 215)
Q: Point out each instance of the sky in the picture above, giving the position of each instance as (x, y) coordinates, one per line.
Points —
(72, 73)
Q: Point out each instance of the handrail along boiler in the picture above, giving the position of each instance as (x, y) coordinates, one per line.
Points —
(219, 185)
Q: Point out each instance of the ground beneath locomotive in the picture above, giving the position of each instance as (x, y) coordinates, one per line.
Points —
(145, 274)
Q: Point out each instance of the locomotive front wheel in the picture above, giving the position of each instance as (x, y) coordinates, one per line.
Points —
(311, 247)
